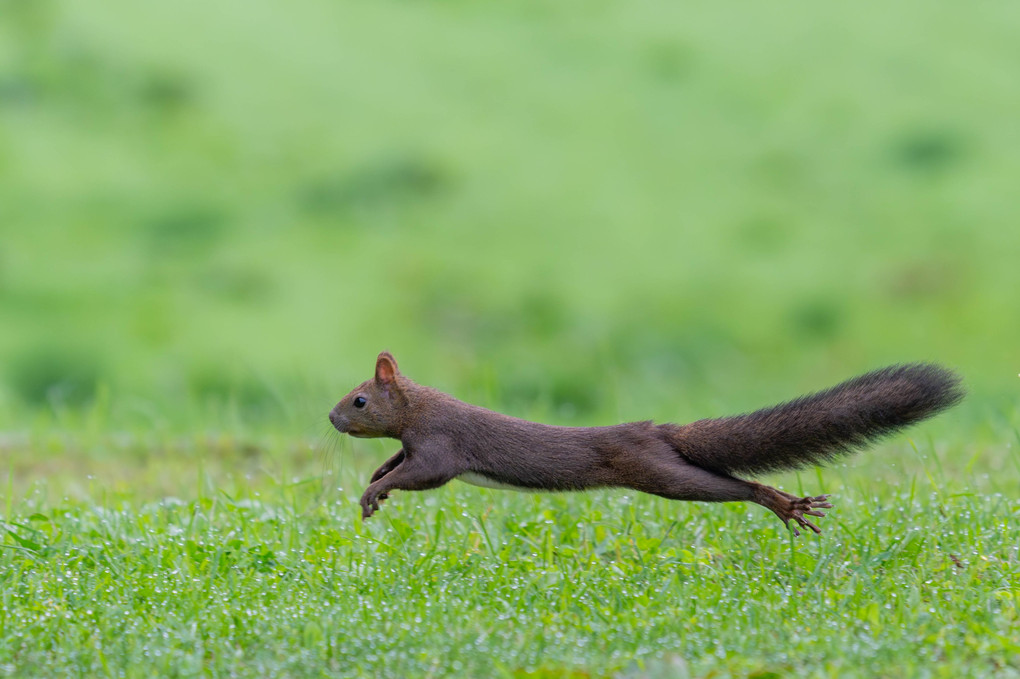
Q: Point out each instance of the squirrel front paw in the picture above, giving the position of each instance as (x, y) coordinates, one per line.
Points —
(370, 503)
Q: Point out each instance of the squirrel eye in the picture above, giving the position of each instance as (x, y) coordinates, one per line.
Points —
(360, 402)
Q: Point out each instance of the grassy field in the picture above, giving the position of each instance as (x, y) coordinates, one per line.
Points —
(256, 570)
(212, 219)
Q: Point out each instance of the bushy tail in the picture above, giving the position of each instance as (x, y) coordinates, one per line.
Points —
(819, 427)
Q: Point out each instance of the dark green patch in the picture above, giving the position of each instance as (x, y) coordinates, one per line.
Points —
(927, 151)
(567, 389)
(166, 92)
(388, 182)
(17, 90)
(217, 385)
(817, 319)
(58, 376)
(185, 230)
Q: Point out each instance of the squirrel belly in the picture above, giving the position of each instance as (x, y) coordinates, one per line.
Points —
(483, 481)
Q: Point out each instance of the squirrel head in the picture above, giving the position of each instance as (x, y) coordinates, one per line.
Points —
(374, 408)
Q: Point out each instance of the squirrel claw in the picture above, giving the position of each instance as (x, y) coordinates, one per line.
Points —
(370, 505)
(799, 508)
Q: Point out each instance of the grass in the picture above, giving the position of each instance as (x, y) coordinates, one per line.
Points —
(255, 564)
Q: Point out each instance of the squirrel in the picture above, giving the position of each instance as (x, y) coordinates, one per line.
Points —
(444, 438)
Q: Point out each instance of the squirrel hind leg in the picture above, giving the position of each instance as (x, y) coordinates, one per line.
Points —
(791, 507)
(675, 478)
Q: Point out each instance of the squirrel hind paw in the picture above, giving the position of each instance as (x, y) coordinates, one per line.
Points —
(796, 509)
(801, 508)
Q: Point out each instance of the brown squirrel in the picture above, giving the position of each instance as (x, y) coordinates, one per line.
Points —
(444, 439)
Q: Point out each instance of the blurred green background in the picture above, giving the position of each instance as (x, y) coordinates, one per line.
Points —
(578, 211)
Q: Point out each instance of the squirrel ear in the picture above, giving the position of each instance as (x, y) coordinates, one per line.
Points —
(386, 368)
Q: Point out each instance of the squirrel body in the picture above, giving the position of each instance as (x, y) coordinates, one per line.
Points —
(444, 438)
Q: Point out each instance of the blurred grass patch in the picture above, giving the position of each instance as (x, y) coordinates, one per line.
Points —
(185, 231)
(217, 385)
(385, 183)
(55, 376)
(929, 151)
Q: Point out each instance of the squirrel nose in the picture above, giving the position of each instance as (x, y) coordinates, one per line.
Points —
(340, 422)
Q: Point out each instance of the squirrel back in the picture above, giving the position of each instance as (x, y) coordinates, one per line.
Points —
(819, 427)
